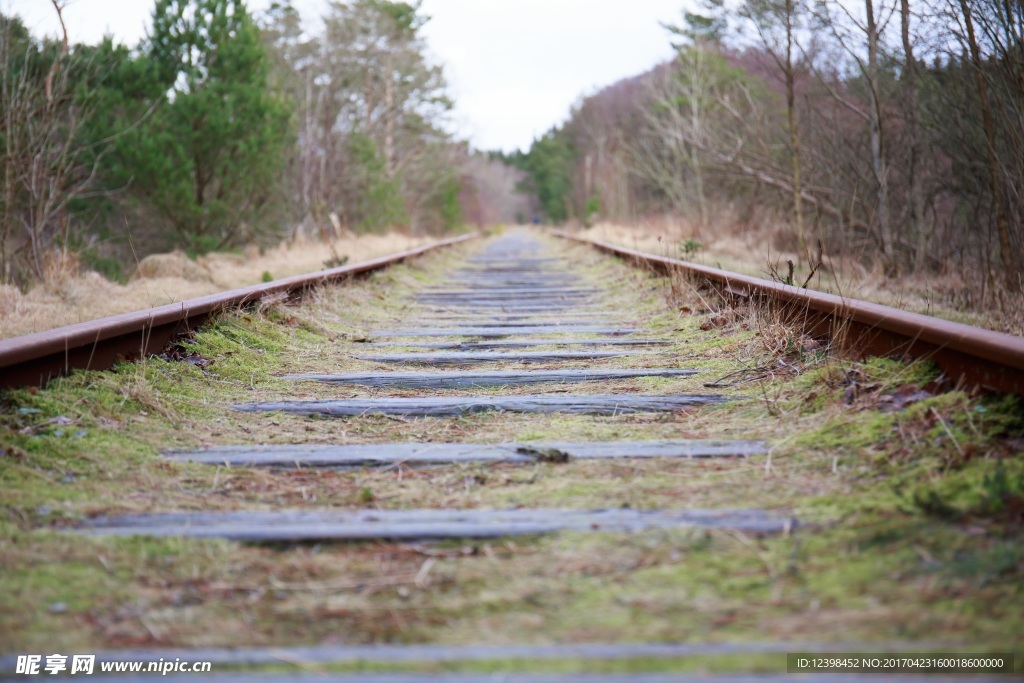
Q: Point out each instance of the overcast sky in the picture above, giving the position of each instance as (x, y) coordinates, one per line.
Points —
(515, 66)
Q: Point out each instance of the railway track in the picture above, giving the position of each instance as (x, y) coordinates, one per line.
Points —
(971, 356)
(369, 485)
(974, 357)
(34, 359)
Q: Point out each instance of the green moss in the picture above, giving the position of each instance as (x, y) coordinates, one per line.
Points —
(982, 488)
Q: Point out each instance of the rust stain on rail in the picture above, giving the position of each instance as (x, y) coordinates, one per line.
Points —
(976, 358)
(34, 359)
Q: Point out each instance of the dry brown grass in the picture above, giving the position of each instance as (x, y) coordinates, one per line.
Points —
(71, 296)
(752, 248)
(729, 244)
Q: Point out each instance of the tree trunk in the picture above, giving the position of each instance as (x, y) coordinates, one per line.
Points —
(6, 100)
(7, 218)
(699, 80)
(389, 116)
(368, 96)
(794, 135)
(914, 190)
(878, 164)
(1011, 274)
(307, 149)
(198, 228)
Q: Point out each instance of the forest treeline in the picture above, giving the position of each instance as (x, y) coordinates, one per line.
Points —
(887, 131)
(222, 128)
(892, 131)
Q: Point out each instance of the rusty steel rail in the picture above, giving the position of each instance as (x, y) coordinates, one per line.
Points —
(971, 356)
(34, 359)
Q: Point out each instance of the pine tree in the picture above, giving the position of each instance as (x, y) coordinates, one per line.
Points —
(219, 140)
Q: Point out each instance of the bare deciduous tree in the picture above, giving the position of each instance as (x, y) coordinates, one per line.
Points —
(43, 159)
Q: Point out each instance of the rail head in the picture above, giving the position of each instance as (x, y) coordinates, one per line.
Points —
(33, 359)
(977, 357)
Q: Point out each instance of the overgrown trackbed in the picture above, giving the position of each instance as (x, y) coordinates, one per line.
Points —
(518, 456)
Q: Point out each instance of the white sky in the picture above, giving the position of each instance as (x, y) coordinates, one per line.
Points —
(515, 66)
